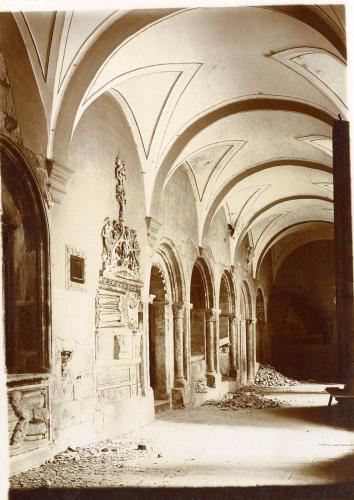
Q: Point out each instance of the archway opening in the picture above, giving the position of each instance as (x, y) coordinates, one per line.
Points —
(25, 272)
(224, 321)
(158, 326)
(198, 299)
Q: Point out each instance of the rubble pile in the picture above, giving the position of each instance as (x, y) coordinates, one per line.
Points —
(87, 466)
(267, 376)
(243, 399)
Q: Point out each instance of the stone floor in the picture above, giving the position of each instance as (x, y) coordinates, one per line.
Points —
(300, 444)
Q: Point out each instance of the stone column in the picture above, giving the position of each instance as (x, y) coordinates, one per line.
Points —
(250, 349)
(160, 332)
(210, 347)
(242, 350)
(343, 240)
(233, 347)
(144, 365)
(187, 343)
(216, 340)
(178, 333)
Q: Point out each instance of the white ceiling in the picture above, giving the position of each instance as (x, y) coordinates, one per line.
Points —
(189, 82)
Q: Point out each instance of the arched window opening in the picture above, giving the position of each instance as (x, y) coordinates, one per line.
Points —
(198, 299)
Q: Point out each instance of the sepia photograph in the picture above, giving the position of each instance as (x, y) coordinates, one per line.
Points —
(177, 251)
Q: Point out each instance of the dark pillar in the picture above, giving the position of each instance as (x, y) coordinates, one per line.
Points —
(343, 249)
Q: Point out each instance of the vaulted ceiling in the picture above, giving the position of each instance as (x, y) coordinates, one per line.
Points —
(241, 98)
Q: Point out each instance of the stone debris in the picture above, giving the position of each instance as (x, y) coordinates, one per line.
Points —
(267, 376)
(81, 467)
(242, 399)
(200, 386)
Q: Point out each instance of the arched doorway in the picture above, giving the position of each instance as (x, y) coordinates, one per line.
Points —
(26, 300)
(260, 328)
(25, 271)
(158, 326)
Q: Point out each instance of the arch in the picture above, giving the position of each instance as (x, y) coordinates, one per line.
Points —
(207, 278)
(307, 14)
(167, 287)
(118, 33)
(229, 286)
(202, 298)
(25, 265)
(242, 104)
(169, 255)
(279, 202)
(29, 105)
(253, 169)
(293, 228)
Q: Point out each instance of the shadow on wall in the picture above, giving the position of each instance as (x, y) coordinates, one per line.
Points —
(301, 315)
(303, 343)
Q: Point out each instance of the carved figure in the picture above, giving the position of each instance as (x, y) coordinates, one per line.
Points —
(120, 188)
(134, 251)
(32, 420)
(107, 237)
(250, 252)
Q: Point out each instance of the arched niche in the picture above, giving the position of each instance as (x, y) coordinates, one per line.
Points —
(25, 266)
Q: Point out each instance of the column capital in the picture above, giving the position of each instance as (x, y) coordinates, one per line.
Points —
(233, 318)
(212, 314)
(178, 309)
(59, 176)
(188, 305)
(160, 303)
(147, 299)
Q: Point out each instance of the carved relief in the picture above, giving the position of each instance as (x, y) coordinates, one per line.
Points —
(121, 251)
(32, 417)
(225, 348)
(249, 258)
(65, 358)
(118, 345)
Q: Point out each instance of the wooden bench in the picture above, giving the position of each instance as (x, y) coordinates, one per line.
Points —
(338, 393)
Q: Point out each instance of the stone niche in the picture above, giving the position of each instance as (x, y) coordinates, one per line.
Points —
(28, 417)
(118, 337)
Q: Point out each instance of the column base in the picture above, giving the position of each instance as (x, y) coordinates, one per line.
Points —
(180, 397)
(180, 382)
(233, 373)
(212, 379)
